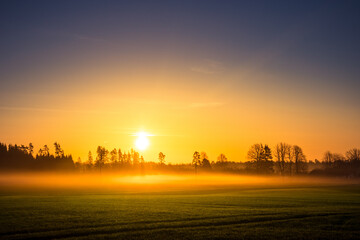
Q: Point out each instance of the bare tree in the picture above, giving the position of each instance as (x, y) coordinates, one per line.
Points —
(256, 152)
(328, 158)
(353, 155)
(290, 158)
(281, 154)
(260, 156)
(299, 159)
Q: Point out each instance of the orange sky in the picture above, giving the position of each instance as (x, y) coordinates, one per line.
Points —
(185, 109)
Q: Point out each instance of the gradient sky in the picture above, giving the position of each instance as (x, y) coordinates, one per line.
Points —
(214, 76)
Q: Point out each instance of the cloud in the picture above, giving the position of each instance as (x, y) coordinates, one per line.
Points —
(208, 66)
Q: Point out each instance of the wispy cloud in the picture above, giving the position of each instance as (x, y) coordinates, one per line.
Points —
(208, 66)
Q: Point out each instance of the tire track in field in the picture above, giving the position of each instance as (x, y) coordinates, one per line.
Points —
(87, 231)
(132, 223)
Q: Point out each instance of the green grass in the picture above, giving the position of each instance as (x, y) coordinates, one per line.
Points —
(221, 213)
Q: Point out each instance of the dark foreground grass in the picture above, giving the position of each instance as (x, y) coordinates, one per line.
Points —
(221, 213)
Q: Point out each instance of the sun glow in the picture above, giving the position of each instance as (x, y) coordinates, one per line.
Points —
(142, 142)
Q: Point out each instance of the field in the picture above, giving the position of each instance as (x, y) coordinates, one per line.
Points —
(214, 212)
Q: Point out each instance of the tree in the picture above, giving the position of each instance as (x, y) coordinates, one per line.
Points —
(267, 153)
(205, 163)
(136, 159)
(353, 155)
(121, 158)
(328, 158)
(161, 158)
(58, 151)
(142, 164)
(23, 148)
(300, 159)
(41, 152)
(222, 158)
(128, 159)
(290, 157)
(31, 149)
(256, 152)
(281, 154)
(90, 161)
(101, 158)
(203, 155)
(113, 157)
(196, 160)
(46, 150)
(261, 157)
(78, 164)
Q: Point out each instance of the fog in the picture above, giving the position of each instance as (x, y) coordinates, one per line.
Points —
(155, 183)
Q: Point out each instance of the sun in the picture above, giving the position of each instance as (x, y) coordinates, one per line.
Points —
(142, 142)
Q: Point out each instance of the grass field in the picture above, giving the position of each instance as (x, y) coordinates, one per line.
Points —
(218, 212)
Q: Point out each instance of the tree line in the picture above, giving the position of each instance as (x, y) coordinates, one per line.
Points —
(284, 159)
(21, 157)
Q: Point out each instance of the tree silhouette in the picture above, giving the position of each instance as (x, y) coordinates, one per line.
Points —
(121, 158)
(31, 149)
(353, 155)
(267, 153)
(136, 159)
(328, 158)
(290, 158)
(114, 158)
(90, 161)
(222, 158)
(161, 158)
(261, 157)
(256, 153)
(281, 155)
(205, 163)
(58, 151)
(41, 152)
(299, 158)
(46, 150)
(101, 158)
(196, 160)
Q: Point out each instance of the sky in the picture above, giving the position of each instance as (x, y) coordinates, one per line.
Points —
(213, 76)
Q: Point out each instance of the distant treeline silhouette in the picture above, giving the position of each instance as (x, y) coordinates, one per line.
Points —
(284, 159)
(14, 157)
